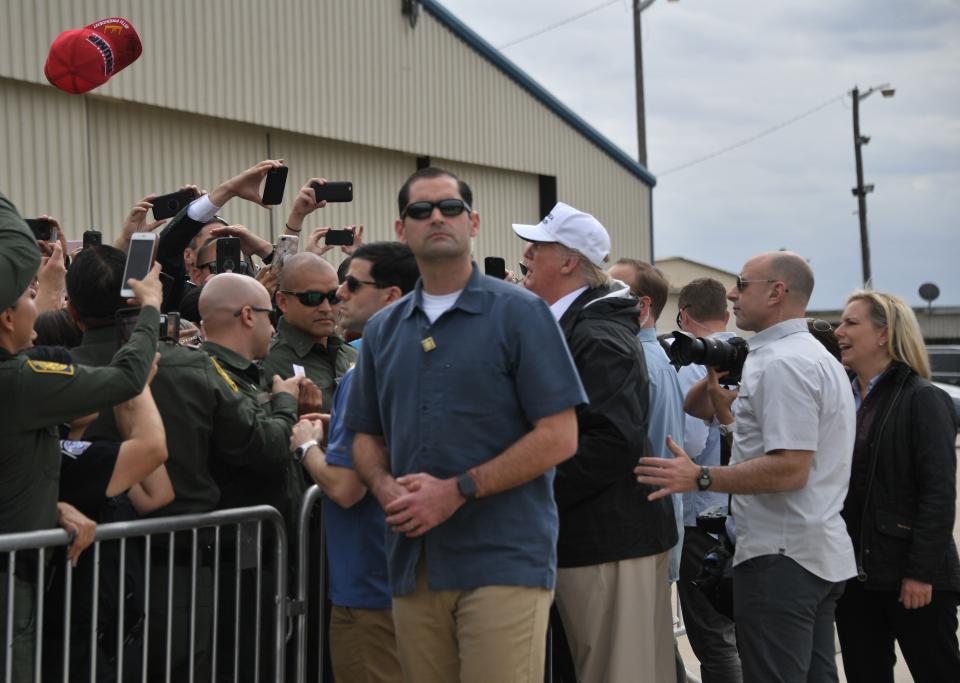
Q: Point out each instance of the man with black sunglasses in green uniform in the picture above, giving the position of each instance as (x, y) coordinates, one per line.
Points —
(306, 341)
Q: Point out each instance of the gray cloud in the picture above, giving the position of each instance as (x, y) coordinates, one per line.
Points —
(716, 73)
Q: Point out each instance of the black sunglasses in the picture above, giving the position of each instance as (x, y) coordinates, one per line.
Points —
(255, 309)
(820, 325)
(421, 210)
(742, 284)
(353, 284)
(313, 298)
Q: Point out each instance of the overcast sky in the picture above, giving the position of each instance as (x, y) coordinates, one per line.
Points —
(717, 73)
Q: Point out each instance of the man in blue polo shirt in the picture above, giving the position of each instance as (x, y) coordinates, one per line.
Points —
(463, 403)
(362, 642)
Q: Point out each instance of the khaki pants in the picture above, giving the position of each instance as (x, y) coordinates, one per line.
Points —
(363, 648)
(492, 633)
(617, 619)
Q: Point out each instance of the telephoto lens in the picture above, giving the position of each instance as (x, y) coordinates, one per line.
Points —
(720, 354)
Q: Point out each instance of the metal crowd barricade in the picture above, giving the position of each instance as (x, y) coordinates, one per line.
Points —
(151, 531)
(307, 503)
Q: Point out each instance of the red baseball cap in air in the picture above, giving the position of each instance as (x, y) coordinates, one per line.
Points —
(82, 59)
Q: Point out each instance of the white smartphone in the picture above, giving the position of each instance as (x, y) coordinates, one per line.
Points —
(287, 245)
(140, 258)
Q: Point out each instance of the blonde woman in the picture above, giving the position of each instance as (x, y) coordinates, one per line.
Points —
(901, 502)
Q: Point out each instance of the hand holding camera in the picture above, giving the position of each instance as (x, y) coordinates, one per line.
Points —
(148, 291)
(136, 221)
(246, 185)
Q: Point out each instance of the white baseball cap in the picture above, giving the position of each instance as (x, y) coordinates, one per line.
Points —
(572, 228)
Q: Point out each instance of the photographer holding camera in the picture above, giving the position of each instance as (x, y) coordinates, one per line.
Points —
(789, 469)
(703, 313)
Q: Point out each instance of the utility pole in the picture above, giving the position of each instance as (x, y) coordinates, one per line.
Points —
(860, 191)
(638, 7)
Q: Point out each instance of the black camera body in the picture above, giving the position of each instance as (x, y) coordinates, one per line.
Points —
(723, 355)
(713, 520)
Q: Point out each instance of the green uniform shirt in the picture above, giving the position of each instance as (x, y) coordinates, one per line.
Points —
(324, 366)
(274, 478)
(36, 397)
(204, 414)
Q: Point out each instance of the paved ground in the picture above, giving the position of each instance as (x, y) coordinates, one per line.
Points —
(902, 674)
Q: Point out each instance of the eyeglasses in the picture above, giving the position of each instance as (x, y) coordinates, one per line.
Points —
(742, 284)
(353, 284)
(256, 309)
(679, 317)
(820, 325)
(313, 298)
(421, 210)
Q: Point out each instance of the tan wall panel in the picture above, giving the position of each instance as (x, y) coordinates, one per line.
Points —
(44, 159)
(139, 150)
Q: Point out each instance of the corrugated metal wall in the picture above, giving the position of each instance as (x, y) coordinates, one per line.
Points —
(44, 158)
(352, 71)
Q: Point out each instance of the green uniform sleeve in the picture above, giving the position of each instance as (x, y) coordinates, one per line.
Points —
(248, 434)
(51, 393)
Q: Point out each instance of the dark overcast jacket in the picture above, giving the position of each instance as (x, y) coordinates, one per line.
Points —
(903, 526)
(604, 513)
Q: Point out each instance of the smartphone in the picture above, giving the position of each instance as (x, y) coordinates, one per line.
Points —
(140, 258)
(273, 187)
(287, 246)
(92, 238)
(337, 191)
(494, 266)
(228, 255)
(169, 205)
(170, 326)
(339, 237)
(42, 229)
(125, 320)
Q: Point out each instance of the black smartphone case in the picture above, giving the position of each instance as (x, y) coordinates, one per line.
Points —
(274, 185)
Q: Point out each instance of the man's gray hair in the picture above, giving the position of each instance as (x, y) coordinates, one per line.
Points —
(592, 275)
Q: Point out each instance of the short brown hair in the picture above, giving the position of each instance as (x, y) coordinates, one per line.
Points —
(705, 299)
(648, 281)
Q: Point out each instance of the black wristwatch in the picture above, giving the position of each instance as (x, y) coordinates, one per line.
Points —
(467, 486)
(300, 451)
(704, 480)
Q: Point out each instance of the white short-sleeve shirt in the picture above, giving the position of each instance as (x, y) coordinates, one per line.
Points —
(795, 395)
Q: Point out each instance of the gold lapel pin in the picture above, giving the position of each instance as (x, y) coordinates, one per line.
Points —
(428, 344)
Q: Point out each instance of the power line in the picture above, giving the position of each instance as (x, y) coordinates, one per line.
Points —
(564, 22)
(759, 135)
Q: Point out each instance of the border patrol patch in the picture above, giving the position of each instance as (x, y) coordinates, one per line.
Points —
(46, 367)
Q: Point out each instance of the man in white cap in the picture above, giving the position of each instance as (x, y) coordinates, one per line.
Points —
(612, 591)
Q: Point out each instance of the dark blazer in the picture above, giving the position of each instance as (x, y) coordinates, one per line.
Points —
(908, 511)
(604, 513)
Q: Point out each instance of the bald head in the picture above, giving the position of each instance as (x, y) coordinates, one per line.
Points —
(236, 314)
(793, 270)
(301, 266)
(226, 293)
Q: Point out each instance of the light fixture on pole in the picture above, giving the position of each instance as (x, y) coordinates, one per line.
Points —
(861, 191)
(638, 7)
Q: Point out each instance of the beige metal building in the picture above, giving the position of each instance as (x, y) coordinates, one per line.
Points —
(342, 89)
